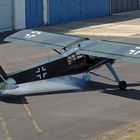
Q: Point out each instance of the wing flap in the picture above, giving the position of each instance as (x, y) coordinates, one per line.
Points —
(112, 50)
(43, 39)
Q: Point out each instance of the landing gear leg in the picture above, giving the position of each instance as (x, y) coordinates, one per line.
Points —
(122, 84)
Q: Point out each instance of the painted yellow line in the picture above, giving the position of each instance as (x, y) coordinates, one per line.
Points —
(36, 126)
(4, 128)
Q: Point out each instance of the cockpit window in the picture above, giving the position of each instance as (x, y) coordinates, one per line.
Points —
(73, 58)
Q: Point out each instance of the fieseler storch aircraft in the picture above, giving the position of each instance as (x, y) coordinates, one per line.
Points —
(75, 55)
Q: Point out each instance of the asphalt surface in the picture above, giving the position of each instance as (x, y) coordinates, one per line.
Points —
(66, 108)
(120, 28)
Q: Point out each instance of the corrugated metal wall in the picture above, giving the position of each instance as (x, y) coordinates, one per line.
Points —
(68, 10)
(119, 6)
(139, 4)
(5, 15)
(34, 13)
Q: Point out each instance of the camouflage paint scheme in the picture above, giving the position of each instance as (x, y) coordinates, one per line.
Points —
(76, 55)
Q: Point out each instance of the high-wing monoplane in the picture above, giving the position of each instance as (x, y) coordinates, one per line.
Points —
(75, 55)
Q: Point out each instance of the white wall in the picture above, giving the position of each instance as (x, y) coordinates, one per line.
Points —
(19, 14)
(45, 12)
(5, 15)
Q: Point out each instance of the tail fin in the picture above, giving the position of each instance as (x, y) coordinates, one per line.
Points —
(3, 82)
(2, 75)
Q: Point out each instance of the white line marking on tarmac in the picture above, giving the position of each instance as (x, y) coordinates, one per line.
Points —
(36, 126)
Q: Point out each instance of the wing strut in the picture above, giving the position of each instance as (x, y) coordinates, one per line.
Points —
(122, 84)
(113, 71)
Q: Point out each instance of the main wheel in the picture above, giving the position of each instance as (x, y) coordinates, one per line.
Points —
(122, 85)
(86, 77)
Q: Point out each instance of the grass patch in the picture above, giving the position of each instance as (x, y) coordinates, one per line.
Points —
(130, 132)
(133, 136)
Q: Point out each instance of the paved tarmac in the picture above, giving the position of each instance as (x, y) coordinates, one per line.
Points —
(66, 108)
(121, 28)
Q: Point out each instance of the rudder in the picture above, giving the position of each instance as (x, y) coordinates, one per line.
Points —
(2, 74)
(2, 79)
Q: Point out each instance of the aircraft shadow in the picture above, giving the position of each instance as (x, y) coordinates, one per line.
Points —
(102, 87)
(11, 99)
(83, 86)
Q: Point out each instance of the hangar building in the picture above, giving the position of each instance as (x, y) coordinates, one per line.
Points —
(18, 14)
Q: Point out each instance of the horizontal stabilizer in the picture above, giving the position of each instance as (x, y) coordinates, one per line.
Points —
(6, 84)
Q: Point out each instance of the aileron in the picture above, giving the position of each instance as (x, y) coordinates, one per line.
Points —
(43, 39)
(113, 50)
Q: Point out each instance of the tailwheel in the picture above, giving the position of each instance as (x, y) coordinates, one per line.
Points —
(122, 85)
(86, 77)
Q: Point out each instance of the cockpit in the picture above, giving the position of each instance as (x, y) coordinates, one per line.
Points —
(76, 58)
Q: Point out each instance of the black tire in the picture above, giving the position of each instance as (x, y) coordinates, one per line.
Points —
(122, 85)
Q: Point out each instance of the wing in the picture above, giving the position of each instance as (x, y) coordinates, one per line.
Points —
(112, 50)
(43, 39)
